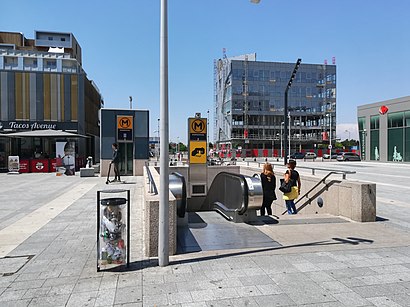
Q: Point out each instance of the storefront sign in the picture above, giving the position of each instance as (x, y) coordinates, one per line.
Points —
(14, 164)
(28, 125)
(383, 110)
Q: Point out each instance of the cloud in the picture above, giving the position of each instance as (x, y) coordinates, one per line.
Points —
(343, 131)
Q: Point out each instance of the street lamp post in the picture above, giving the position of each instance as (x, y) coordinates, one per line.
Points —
(290, 125)
(285, 108)
(281, 135)
(330, 133)
(349, 133)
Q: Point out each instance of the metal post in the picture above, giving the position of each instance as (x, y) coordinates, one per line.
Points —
(281, 136)
(290, 124)
(285, 109)
(163, 237)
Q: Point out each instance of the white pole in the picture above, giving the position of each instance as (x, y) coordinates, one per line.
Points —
(163, 236)
(281, 140)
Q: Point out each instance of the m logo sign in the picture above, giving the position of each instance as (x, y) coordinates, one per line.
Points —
(124, 122)
(198, 126)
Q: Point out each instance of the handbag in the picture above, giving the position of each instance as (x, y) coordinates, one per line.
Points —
(286, 187)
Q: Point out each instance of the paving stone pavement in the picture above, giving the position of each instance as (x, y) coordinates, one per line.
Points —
(59, 263)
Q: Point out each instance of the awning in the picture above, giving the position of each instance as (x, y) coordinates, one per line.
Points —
(43, 134)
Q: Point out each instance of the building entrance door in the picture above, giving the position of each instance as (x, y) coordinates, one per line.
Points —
(126, 159)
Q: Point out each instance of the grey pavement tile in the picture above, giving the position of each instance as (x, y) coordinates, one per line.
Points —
(128, 295)
(225, 293)
(395, 268)
(31, 293)
(247, 291)
(152, 279)
(87, 284)
(177, 277)
(291, 278)
(306, 267)
(12, 295)
(351, 299)
(50, 300)
(401, 299)
(223, 283)
(194, 304)
(180, 297)
(105, 297)
(220, 303)
(336, 265)
(108, 282)
(379, 290)
(256, 280)
(383, 301)
(6, 281)
(82, 299)
(307, 296)
(320, 276)
(155, 300)
(192, 286)
(269, 289)
(19, 303)
(335, 287)
(274, 300)
(202, 295)
(215, 274)
(159, 289)
(352, 282)
(244, 301)
(60, 281)
(27, 276)
(61, 289)
(129, 280)
(130, 305)
(350, 272)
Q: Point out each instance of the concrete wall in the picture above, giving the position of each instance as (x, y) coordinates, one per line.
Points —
(351, 199)
(151, 218)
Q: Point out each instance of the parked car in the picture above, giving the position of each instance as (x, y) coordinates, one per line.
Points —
(348, 156)
(297, 155)
(332, 155)
(310, 155)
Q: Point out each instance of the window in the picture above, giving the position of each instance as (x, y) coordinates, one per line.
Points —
(362, 123)
(374, 122)
(395, 120)
(407, 119)
(50, 38)
(63, 39)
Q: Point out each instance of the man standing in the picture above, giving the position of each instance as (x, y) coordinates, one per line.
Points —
(116, 160)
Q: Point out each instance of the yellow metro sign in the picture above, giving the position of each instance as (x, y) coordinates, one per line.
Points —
(197, 129)
(197, 152)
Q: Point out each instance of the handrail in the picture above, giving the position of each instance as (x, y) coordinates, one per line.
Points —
(151, 182)
(314, 187)
(218, 184)
(313, 169)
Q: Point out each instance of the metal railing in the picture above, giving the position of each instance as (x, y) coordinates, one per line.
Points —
(151, 182)
(323, 180)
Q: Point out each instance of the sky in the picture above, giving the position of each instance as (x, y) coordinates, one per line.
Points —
(120, 42)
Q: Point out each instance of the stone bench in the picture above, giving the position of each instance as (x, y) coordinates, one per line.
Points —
(87, 172)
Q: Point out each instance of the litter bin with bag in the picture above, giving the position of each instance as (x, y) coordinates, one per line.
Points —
(113, 229)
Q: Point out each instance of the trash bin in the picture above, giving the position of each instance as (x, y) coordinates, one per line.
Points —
(113, 229)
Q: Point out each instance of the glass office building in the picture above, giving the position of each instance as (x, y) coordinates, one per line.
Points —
(384, 130)
(249, 105)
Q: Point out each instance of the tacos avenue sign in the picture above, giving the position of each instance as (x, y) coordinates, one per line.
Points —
(27, 125)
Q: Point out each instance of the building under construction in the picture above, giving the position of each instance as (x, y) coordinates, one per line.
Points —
(249, 106)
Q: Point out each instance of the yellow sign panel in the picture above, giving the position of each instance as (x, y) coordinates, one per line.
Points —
(197, 125)
(124, 122)
(197, 152)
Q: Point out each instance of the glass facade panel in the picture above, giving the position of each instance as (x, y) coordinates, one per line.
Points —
(374, 145)
(395, 145)
(407, 145)
(374, 122)
(395, 120)
(407, 119)
(362, 123)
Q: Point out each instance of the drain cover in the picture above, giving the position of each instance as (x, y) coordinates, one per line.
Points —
(11, 265)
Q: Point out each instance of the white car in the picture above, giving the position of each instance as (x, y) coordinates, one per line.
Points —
(310, 155)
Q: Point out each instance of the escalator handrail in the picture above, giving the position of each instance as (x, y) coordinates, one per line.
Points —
(181, 209)
(245, 190)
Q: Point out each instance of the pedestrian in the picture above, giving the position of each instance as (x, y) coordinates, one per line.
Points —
(116, 160)
(294, 177)
(268, 180)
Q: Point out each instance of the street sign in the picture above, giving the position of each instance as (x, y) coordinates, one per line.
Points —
(330, 147)
(197, 152)
(124, 127)
(197, 129)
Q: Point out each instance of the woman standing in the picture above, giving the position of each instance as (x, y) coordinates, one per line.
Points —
(268, 180)
(290, 197)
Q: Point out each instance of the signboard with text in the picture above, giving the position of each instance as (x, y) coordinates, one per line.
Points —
(197, 138)
(124, 127)
(197, 129)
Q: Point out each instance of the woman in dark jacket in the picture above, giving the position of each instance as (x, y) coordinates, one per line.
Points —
(268, 180)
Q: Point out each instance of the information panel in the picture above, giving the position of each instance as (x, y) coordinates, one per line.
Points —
(197, 152)
(197, 129)
(124, 127)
